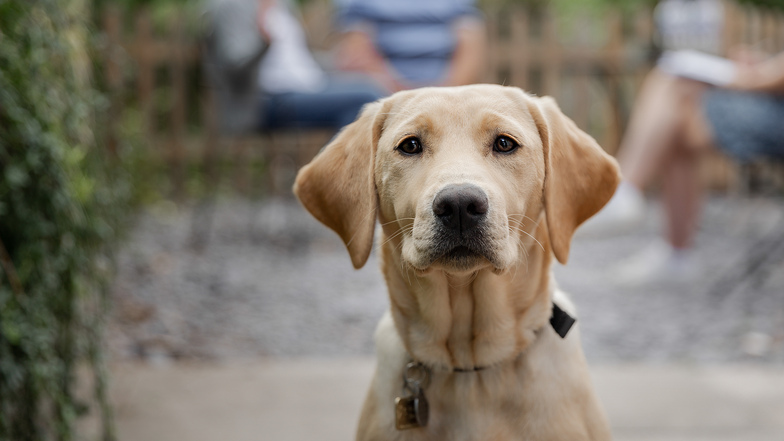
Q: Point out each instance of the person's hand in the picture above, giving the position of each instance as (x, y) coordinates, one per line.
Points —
(747, 77)
(261, 18)
(757, 71)
(747, 55)
(357, 53)
(759, 75)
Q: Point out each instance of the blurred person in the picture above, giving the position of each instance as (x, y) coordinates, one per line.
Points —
(406, 44)
(263, 56)
(674, 122)
(297, 91)
(690, 24)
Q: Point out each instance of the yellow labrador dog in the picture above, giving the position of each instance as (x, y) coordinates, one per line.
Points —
(475, 188)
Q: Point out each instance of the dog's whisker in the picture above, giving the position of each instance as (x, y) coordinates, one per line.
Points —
(516, 226)
(397, 220)
(532, 237)
(520, 224)
(397, 233)
(516, 222)
(400, 230)
(522, 248)
(523, 216)
(405, 267)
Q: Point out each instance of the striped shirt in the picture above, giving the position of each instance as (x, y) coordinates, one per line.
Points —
(417, 37)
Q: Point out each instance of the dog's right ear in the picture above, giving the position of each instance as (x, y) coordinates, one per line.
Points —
(338, 186)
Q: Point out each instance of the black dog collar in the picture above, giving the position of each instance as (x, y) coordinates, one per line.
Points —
(561, 321)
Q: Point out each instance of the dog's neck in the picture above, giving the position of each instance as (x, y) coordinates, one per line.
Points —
(475, 320)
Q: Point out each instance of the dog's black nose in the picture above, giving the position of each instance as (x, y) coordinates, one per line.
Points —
(460, 207)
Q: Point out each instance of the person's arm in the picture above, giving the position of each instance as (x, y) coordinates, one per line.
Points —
(467, 65)
(763, 76)
(261, 18)
(356, 52)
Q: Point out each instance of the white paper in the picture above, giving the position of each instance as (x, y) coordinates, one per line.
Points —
(698, 66)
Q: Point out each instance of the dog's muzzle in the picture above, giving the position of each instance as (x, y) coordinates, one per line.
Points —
(461, 215)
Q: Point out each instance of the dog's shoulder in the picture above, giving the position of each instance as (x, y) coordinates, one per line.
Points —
(562, 299)
(389, 346)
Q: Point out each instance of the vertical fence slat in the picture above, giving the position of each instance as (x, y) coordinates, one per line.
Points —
(145, 62)
(518, 56)
(176, 51)
(732, 26)
(615, 55)
(113, 28)
(551, 56)
(492, 43)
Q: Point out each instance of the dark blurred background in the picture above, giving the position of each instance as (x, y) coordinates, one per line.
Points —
(160, 281)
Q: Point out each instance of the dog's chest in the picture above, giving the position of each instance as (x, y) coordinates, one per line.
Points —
(539, 396)
(477, 405)
(499, 406)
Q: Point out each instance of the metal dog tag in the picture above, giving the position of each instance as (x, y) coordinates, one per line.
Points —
(411, 412)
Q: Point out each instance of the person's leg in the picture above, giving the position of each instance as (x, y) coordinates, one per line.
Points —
(356, 91)
(666, 137)
(682, 198)
(671, 259)
(744, 125)
(682, 192)
(334, 107)
(657, 126)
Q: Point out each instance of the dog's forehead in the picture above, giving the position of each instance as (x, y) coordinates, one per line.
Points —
(468, 108)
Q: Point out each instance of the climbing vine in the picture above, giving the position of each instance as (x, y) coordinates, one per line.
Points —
(61, 202)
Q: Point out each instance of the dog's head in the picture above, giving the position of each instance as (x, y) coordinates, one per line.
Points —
(459, 177)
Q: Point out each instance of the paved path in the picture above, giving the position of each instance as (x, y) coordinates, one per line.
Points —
(671, 361)
(317, 399)
(274, 282)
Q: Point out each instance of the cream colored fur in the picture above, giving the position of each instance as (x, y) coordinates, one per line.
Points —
(494, 313)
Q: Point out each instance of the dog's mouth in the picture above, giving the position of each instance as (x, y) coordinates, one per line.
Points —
(462, 258)
(460, 252)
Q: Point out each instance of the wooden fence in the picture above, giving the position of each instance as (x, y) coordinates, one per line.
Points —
(592, 65)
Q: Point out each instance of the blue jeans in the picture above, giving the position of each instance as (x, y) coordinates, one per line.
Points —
(337, 105)
(746, 125)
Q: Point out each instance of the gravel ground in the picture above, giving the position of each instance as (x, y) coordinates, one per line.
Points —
(265, 279)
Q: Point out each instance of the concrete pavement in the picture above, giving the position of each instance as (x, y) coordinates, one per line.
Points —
(319, 399)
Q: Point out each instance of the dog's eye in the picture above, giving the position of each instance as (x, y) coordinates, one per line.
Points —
(505, 144)
(410, 146)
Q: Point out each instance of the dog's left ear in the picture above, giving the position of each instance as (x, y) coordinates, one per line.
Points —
(338, 187)
(580, 178)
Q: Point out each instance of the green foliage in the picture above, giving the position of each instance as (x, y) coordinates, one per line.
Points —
(138, 3)
(61, 202)
(770, 4)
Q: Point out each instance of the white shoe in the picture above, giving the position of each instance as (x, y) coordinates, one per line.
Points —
(625, 211)
(658, 262)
